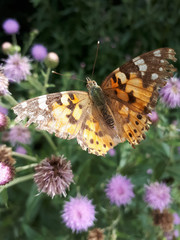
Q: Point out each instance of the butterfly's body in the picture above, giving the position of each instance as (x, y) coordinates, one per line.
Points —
(108, 114)
(99, 101)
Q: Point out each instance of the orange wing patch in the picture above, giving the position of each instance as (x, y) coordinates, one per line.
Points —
(93, 137)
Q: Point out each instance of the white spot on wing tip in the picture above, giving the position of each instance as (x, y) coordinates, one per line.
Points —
(24, 104)
(154, 76)
(42, 103)
(157, 53)
(143, 67)
(40, 117)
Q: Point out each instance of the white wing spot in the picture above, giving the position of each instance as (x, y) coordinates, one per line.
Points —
(154, 76)
(42, 103)
(162, 61)
(142, 74)
(24, 104)
(140, 61)
(136, 58)
(157, 53)
(160, 69)
(143, 67)
(40, 117)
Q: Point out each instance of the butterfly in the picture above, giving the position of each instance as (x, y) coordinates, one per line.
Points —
(108, 114)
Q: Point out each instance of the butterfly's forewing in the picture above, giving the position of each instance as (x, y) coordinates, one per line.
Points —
(132, 91)
(59, 113)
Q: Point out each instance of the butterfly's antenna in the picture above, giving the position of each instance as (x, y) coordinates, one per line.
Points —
(64, 75)
(98, 42)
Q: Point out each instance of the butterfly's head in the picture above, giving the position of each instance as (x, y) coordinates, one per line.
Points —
(91, 83)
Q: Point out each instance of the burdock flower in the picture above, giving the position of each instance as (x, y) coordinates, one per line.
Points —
(10, 26)
(6, 47)
(18, 134)
(39, 52)
(3, 122)
(53, 176)
(17, 68)
(157, 196)
(7, 170)
(170, 94)
(4, 83)
(119, 190)
(79, 214)
(96, 234)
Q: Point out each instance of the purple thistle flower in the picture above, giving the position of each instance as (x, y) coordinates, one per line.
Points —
(79, 214)
(20, 149)
(3, 122)
(11, 26)
(112, 152)
(4, 110)
(7, 170)
(176, 219)
(119, 190)
(18, 134)
(149, 171)
(176, 233)
(4, 83)
(170, 94)
(53, 176)
(39, 52)
(6, 173)
(153, 116)
(17, 68)
(157, 196)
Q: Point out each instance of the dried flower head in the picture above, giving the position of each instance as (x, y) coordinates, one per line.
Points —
(11, 26)
(52, 60)
(39, 52)
(96, 234)
(53, 176)
(164, 219)
(7, 170)
(3, 122)
(119, 190)
(17, 68)
(4, 83)
(17, 134)
(6, 155)
(158, 196)
(79, 214)
(170, 93)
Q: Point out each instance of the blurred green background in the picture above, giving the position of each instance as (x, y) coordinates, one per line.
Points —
(71, 28)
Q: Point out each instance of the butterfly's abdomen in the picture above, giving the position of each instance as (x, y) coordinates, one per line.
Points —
(99, 101)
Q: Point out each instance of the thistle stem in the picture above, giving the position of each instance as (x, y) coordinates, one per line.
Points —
(51, 143)
(22, 168)
(11, 100)
(46, 79)
(16, 181)
(24, 156)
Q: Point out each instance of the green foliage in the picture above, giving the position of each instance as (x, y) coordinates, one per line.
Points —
(71, 29)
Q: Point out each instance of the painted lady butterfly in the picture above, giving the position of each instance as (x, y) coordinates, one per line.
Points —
(107, 115)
